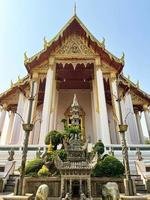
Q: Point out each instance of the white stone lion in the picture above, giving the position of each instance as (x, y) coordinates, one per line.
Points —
(110, 191)
(42, 192)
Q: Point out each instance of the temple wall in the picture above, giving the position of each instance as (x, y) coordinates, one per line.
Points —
(84, 100)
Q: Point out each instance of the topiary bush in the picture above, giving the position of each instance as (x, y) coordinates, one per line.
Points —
(43, 171)
(109, 167)
(33, 166)
(55, 137)
(99, 148)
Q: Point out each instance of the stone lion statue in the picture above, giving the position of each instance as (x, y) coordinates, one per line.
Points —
(82, 196)
(110, 191)
(42, 192)
(67, 197)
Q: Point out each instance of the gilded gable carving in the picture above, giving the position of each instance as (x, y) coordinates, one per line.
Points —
(137, 100)
(74, 46)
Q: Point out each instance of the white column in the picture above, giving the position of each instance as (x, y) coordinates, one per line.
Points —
(37, 125)
(115, 104)
(53, 107)
(124, 114)
(2, 120)
(130, 119)
(138, 120)
(47, 104)
(18, 121)
(147, 118)
(102, 107)
(96, 113)
(9, 130)
(94, 134)
(24, 116)
(56, 109)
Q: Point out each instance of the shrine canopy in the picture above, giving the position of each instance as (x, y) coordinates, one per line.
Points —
(74, 27)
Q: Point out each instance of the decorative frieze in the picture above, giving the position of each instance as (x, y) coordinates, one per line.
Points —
(74, 45)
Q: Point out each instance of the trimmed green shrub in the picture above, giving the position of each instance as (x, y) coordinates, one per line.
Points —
(55, 137)
(110, 167)
(43, 171)
(99, 148)
(33, 166)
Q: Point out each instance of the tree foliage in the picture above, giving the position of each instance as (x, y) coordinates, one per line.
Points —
(99, 148)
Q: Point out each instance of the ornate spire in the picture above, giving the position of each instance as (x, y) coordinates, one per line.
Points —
(75, 102)
(75, 111)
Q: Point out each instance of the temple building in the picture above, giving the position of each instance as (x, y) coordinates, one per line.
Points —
(74, 62)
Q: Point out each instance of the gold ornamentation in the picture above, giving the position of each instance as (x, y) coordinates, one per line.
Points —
(122, 57)
(11, 84)
(103, 43)
(137, 100)
(138, 84)
(45, 43)
(74, 46)
(25, 57)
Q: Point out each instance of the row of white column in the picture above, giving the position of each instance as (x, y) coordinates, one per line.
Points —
(100, 114)
(14, 133)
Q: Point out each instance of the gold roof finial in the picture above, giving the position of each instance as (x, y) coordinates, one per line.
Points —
(138, 84)
(45, 42)
(25, 57)
(75, 8)
(11, 84)
(19, 79)
(122, 57)
(103, 42)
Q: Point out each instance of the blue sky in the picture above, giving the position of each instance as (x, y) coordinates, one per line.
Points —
(124, 24)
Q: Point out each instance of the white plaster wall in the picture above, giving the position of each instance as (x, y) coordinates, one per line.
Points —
(84, 99)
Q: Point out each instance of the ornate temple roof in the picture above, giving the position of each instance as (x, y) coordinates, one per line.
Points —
(20, 85)
(74, 26)
(134, 88)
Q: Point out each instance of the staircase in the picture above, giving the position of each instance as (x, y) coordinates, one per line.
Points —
(10, 185)
(140, 187)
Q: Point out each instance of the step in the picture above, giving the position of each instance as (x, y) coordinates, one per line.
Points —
(9, 188)
(140, 187)
(13, 176)
(139, 182)
(9, 181)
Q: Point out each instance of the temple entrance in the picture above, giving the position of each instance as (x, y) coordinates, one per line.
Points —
(75, 189)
